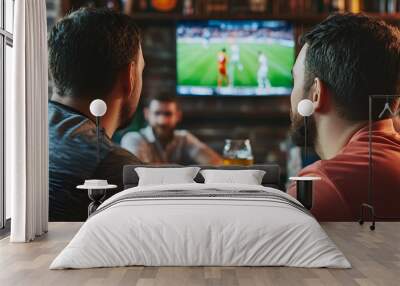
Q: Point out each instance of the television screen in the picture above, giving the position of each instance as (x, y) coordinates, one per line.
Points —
(246, 58)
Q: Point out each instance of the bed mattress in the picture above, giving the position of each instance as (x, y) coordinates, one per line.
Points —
(201, 225)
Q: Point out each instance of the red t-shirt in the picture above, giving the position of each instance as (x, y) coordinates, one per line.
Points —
(344, 184)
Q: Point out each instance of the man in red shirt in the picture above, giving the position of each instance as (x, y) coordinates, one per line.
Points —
(343, 60)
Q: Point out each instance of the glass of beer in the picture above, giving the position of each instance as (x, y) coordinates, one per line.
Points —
(238, 152)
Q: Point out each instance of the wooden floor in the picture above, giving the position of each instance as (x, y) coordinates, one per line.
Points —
(375, 257)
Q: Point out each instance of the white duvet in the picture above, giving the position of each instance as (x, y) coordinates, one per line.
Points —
(200, 231)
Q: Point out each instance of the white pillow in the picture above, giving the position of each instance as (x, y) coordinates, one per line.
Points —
(248, 177)
(166, 176)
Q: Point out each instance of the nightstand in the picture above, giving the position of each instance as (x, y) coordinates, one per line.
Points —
(304, 189)
(96, 194)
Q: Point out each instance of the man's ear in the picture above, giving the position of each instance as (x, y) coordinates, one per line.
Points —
(320, 96)
(127, 78)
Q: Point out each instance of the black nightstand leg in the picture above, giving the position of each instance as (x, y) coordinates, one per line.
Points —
(97, 197)
(305, 193)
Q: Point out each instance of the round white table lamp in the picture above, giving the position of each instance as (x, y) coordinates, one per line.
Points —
(305, 107)
(98, 108)
(304, 185)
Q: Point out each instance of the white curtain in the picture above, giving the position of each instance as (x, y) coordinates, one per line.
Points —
(26, 124)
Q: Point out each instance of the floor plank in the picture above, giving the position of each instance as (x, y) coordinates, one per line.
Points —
(375, 257)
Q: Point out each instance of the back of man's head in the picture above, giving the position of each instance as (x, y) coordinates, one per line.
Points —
(87, 50)
(355, 56)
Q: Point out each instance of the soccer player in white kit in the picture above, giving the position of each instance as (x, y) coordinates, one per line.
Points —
(262, 72)
(235, 62)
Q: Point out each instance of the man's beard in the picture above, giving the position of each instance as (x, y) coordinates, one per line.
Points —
(128, 111)
(297, 130)
(126, 116)
(164, 133)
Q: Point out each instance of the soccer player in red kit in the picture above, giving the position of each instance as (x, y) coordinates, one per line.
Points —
(222, 62)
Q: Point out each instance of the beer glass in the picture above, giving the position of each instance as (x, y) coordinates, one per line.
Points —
(238, 152)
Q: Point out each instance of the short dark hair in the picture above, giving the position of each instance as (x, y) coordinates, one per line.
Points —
(162, 97)
(88, 48)
(355, 56)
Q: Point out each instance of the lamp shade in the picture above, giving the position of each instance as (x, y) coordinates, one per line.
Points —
(305, 107)
(98, 107)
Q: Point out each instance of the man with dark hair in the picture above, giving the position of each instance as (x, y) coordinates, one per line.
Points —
(92, 54)
(161, 143)
(345, 59)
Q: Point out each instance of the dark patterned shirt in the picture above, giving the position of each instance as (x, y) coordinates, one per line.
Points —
(73, 159)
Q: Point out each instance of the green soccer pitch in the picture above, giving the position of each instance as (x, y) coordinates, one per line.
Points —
(197, 64)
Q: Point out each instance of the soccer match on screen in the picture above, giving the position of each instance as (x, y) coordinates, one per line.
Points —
(234, 58)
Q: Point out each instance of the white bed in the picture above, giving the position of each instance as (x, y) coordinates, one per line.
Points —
(239, 229)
